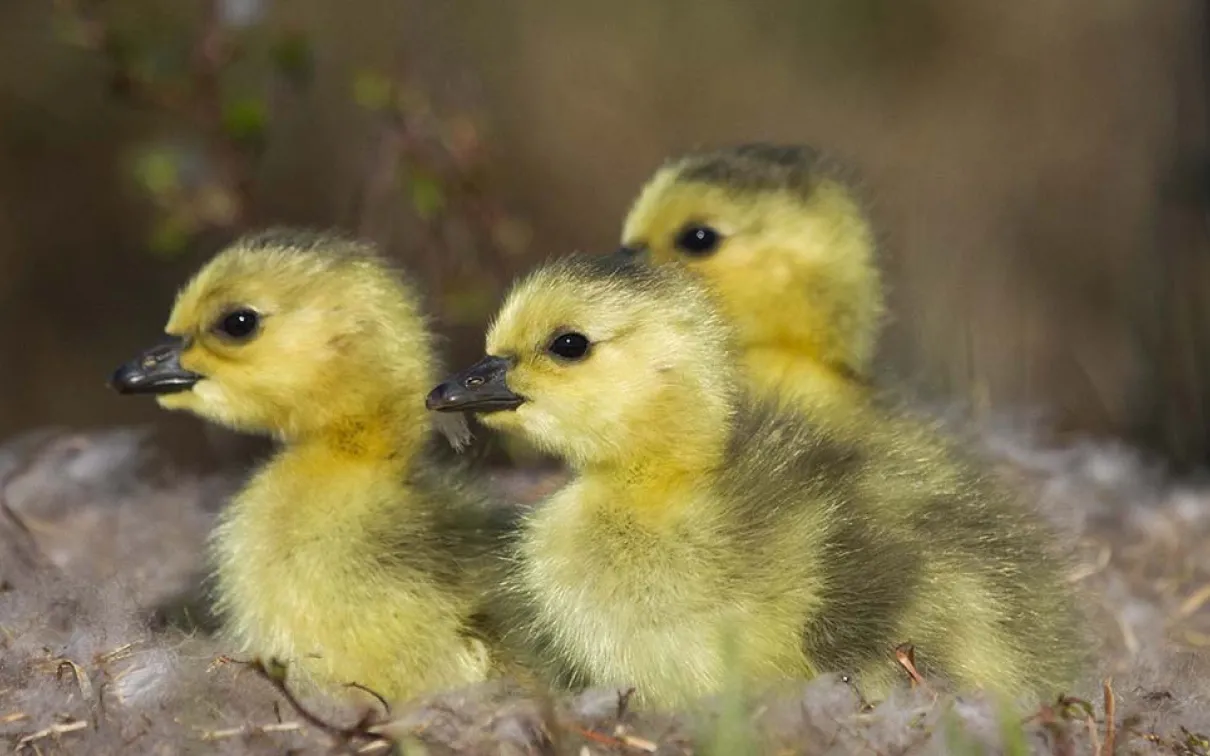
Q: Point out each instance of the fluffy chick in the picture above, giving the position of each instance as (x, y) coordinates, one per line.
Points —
(780, 237)
(698, 521)
(785, 242)
(352, 554)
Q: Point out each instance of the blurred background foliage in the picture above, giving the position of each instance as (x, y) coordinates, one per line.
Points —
(1038, 172)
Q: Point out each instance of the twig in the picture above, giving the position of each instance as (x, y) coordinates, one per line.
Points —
(1110, 714)
(344, 735)
(208, 59)
(621, 740)
(623, 703)
(599, 737)
(386, 707)
(197, 100)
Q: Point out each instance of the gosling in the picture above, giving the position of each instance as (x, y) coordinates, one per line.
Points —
(708, 536)
(352, 554)
(782, 236)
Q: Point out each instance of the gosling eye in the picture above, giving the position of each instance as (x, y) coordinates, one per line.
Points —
(698, 240)
(570, 346)
(238, 325)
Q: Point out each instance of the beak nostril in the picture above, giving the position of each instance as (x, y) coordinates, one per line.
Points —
(157, 371)
(479, 388)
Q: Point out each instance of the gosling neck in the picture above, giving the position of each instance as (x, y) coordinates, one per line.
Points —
(777, 371)
(380, 423)
(687, 438)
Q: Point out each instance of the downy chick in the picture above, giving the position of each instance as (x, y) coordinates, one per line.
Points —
(351, 554)
(790, 253)
(783, 242)
(698, 521)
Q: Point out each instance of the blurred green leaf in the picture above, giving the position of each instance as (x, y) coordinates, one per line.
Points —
(170, 235)
(294, 56)
(732, 731)
(957, 739)
(1013, 738)
(246, 119)
(428, 198)
(158, 171)
(372, 90)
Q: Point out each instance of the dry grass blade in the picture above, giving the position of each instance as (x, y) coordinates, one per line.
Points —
(1073, 707)
(905, 654)
(125, 651)
(1110, 719)
(235, 732)
(54, 731)
(639, 744)
(80, 675)
(1191, 605)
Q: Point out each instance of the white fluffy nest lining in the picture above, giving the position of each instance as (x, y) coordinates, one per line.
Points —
(103, 646)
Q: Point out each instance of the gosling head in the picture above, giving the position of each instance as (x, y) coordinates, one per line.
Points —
(601, 361)
(782, 240)
(289, 333)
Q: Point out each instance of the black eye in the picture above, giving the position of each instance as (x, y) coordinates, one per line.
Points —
(698, 240)
(238, 324)
(569, 346)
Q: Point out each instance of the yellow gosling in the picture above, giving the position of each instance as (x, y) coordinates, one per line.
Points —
(351, 554)
(699, 520)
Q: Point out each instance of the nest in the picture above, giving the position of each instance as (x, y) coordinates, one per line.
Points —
(105, 645)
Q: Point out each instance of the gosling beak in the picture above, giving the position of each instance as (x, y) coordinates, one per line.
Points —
(156, 371)
(479, 388)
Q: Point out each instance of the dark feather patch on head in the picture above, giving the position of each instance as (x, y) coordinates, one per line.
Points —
(761, 167)
(334, 243)
(635, 273)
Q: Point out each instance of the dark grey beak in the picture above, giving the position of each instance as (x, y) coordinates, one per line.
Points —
(156, 371)
(479, 388)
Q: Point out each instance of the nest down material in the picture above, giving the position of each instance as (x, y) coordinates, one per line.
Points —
(104, 649)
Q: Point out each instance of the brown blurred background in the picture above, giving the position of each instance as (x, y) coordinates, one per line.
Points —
(1039, 171)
